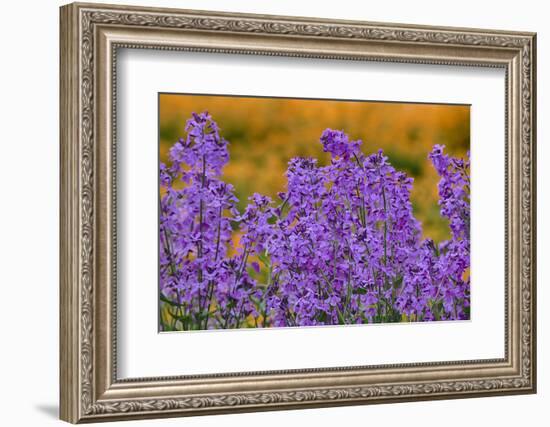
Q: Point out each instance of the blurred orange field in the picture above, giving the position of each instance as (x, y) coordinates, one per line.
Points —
(265, 133)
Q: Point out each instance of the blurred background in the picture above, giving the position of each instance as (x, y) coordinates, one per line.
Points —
(265, 133)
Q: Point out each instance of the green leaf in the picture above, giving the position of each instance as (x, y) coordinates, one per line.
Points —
(180, 318)
(265, 259)
(168, 301)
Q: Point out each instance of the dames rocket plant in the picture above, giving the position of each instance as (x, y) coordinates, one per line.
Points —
(341, 244)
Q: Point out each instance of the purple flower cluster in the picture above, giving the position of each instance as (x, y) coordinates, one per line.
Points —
(195, 234)
(341, 246)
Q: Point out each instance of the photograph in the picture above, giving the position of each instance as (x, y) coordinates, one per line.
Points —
(285, 212)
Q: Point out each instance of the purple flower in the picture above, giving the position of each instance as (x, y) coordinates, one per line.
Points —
(336, 142)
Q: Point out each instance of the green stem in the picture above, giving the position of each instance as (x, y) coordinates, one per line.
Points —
(167, 248)
(199, 244)
(210, 289)
(362, 210)
(385, 244)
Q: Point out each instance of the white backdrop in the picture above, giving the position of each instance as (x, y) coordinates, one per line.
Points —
(29, 171)
(144, 73)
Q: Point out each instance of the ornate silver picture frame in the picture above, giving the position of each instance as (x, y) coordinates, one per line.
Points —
(91, 35)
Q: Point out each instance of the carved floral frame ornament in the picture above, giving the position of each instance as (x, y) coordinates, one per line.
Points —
(90, 36)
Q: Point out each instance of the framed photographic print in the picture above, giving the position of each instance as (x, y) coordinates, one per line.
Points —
(265, 212)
